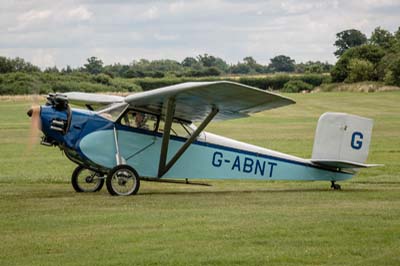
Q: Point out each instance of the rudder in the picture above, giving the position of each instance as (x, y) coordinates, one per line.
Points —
(342, 140)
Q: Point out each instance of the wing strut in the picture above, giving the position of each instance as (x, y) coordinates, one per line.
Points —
(163, 167)
(165, 140)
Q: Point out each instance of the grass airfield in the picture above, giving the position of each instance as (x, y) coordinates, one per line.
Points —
(44, 222)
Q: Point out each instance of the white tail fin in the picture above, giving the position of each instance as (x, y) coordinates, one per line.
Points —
(342, 140)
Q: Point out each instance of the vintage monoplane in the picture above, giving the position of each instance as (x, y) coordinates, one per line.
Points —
(151, 136)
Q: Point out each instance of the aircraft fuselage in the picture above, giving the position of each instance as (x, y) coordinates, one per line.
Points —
(90, 140)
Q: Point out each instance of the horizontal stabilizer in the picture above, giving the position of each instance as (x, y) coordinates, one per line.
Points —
(343, 164)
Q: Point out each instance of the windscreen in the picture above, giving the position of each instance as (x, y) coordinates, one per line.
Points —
(113, 111)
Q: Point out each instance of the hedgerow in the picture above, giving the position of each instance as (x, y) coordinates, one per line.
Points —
(42, 82)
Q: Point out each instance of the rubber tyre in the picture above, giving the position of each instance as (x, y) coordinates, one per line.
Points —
(75, 181)
(122, 171)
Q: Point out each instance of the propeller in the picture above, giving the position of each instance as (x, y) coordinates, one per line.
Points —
(36, 124)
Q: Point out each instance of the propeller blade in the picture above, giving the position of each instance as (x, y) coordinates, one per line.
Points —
(36, 124)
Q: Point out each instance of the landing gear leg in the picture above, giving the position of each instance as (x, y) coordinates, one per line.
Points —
(335, 186)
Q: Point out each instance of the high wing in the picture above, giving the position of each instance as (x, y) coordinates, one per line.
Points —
(193, 101)
(92, 100)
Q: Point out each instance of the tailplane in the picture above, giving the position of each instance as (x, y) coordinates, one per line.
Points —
(342, 141)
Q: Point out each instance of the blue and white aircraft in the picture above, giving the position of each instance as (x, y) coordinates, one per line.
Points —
(151, 136)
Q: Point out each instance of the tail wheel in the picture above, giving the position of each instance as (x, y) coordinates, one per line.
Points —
(335, 186)
(123, 180)
(85, 180)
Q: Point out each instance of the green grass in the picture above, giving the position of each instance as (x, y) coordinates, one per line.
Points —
(43, 222)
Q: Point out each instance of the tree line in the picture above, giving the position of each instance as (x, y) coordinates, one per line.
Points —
(367, 59)
(201, 66)
(20, 77)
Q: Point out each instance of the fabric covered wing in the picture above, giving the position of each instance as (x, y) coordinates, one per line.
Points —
(194, 100)
(93, 99)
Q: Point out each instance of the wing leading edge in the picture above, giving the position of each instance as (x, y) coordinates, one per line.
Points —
(195, 100)
(92, 99)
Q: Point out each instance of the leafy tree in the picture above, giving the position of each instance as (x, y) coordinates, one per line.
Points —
(53, 69)
(67, 70)
(371, 53)
(17, 64)
(282, 63)
(164, 65)
(212, 71)
(5, 65)
(348, 39)
(382, 38)
(131, 73)
(189, 62)
(94, 65)
(383, 66)
(207, 60)
(157, 74)
(397, 34)
(296, 86)
(313, 67)
(212, 61)
(102, 78)
(155, 68)
(392, 75)
(396, 45)
(255, 67)
(141, 64)
(360, 70)
(249, 61)
(240, 68)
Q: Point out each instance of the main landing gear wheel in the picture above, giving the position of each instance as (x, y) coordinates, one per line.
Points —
(335, 186)
(85, 180)
(123, 180)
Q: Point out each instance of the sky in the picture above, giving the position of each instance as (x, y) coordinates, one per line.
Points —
(59, 33)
